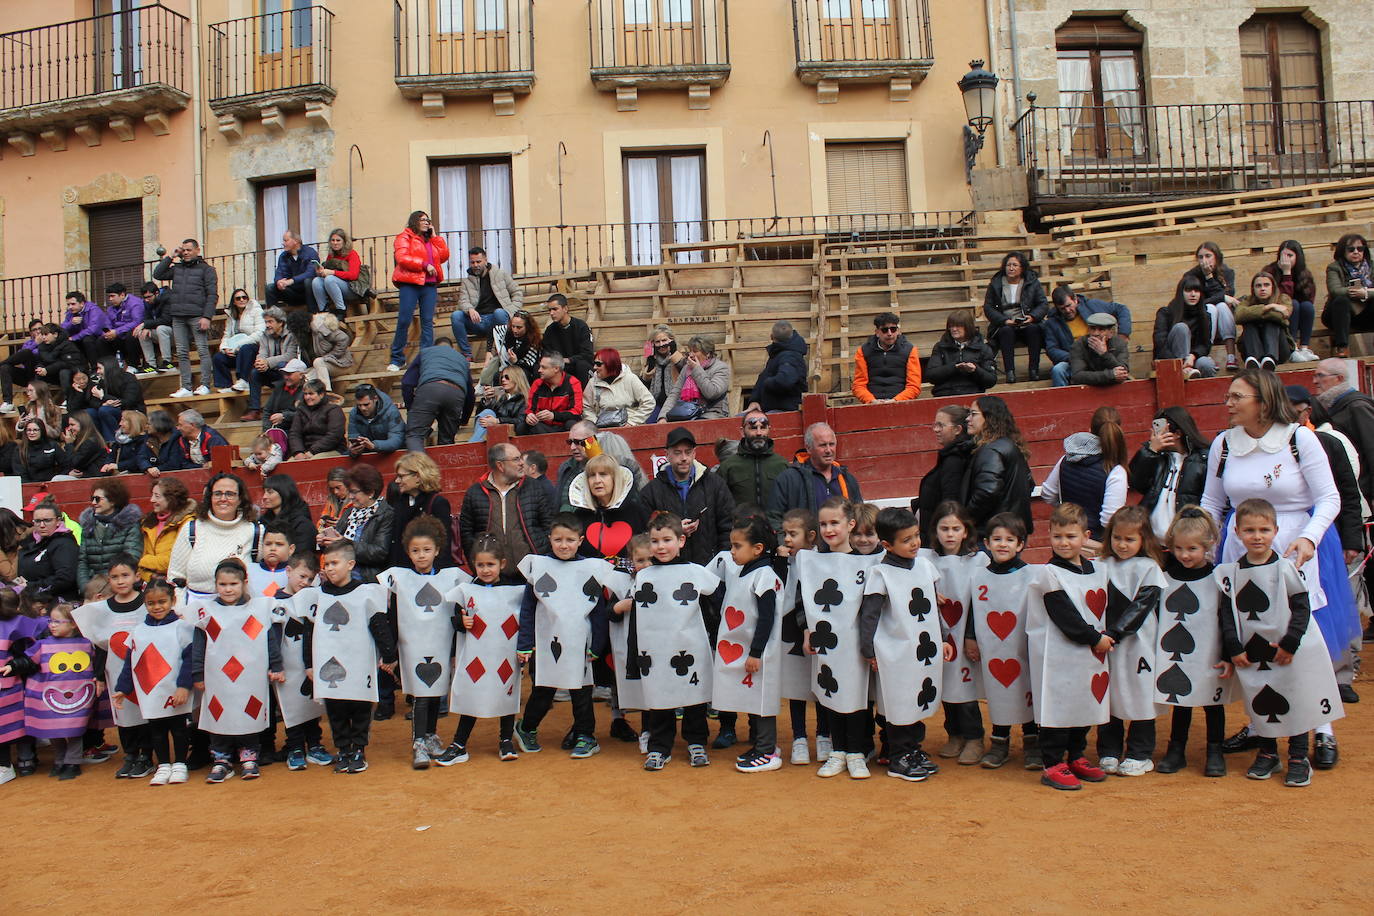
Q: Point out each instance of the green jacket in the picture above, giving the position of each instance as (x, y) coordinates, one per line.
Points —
(750, 476)
(103, 541)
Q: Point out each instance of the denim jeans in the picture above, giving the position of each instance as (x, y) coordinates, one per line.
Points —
(258, 381)
(463, 326)
(241, 363)
(479, 432)
(1301, 321)
(182, 331)
(106, 420)
(331, 288)
(411, 295)
(1060, 374)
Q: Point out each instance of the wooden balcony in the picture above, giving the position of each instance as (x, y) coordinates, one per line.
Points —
(862, 41)
(271, 64)
(463, 48)
(659, 44)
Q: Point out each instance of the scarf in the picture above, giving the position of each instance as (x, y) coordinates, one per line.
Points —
(358, 519)
(1333, 394)
(1359, 272)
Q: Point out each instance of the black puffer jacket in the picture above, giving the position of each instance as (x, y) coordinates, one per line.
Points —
(46, 459)
(317, 428)
(535, 509)
(1032, 301)
(782, 382)
(709, 501)
(945, 481)
(134, 456)
(123, 387)
(49, 565)
(947, 353)
(88, 458)
(195, 287)
(1149, 471)
(998, 479)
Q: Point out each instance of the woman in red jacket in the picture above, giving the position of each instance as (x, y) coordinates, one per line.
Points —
(420, 256)
(340, 268)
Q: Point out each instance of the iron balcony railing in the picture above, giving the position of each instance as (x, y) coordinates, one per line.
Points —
(830, 32)
(463, 38)
(670, 37)
(273, 53)
(537, 251)
(1178, 150)
(88, 57)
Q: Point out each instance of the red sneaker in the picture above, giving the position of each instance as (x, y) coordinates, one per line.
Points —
(1059, 777)
(1086, 771)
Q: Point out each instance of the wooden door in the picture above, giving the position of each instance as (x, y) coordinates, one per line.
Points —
(469, 36)
(858, 30)
(285, 45)
(659, 33)
(1282, 76)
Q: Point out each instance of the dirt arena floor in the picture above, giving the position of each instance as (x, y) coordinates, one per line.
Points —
(550, 834)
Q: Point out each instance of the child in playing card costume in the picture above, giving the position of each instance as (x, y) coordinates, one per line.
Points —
(59, 690)
(1188, 651)
(157, 676)
(899, 635)
(956, 556)
(236, 654)
(668, 651)
(348, 639)
(300, 711)
(1135, 583)
(1267, 633)
(1068, 651)
(563, 625)
(486, 680)
(425, 626)
(266, 579)
(800, 531)
(627, 694)
(830, 584)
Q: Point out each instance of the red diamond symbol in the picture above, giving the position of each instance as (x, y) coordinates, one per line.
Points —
(232, 668)
(506, 670)
(479, 626)
(151, 669)
(253, 707)
(510, 627)
(215, 707)
(476, 669)
(212, 628)
(252, 626)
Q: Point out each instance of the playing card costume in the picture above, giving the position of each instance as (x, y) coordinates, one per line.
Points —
(16, 635)
(349, 637)
(107, 624)
(295, 698)
(1134, 588)
(486, 681)
(1188, 644)
(59, 695)
(796, 664)
(998, 617)
(900, 627)
(424, 620)
(749, 628)
(963, 679)
(1266, 606)
(159, 664)
(830, 587)
(234, 649)
(266, 581)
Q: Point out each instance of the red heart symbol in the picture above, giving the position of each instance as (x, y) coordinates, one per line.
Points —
(1099, 685)
(1097, 601)
(729, 651)
(119, 643)
(733, 617)
(1002, 623)
(1005, 670)
(609, 539)
(951, 610)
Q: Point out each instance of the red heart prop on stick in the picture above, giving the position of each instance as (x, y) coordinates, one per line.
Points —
(1004, 670)
(1097, 602)
(1002, 623)
(1099, 685)
(609, 539)
(729, 651)
(733, 617)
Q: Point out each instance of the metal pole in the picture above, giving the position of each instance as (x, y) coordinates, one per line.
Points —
(361, 164)
(562, 151)
(772, 174)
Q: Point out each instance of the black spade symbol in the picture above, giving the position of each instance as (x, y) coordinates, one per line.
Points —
(793, 635)
(592, 589)
(1174, 682)
(1116, 603)
(685, 594)
(828, 594)
(1181, 602)
(545, 585)
(1260, 652)
(556, 649)
(333, 671)
(294, 629)
(682, 663)
(919, 606)
(307, 687)
(823, 638)
(826, 681)
(926, 649)
(1178, 642)
(429, 670)
(1252, 601)
(645, 595)
(428, 598)
(927, 694)
(336, 615)
(1270, 703)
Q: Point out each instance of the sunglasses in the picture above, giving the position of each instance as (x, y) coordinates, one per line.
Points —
(98, 499)
(757, 424)
(1359, 248)
(597, 362)
(665, 343)
(890, 329)
(240, 298)
(582, 442)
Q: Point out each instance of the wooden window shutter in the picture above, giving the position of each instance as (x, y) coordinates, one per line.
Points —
(116, 245)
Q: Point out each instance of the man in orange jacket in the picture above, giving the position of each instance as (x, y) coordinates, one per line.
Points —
(887, 366)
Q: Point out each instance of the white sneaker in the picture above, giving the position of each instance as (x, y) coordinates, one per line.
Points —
(8, 409)
(434, 746)
(202, 391)
(179, 773)
(1132, 767)
(240, 385)
(833, 766)
(1109, 765)
(643, 742)
(162, 775)
(224, 391)
(182, 393)
(392, 367)
(7, 774)
(858, 766)
(801, 752)
(824, 747)
(1303, 355)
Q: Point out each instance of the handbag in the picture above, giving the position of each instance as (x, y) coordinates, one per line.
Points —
(362, 285)
(612, 416)
(685, 410)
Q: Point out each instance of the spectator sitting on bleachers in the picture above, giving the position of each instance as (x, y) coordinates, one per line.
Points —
(130, 451)
(38, 456)
(1289, 270)
(1101, 356)
(702, 390)
(502, 403)
(330, 345)
(162, 431)
(156, 324)
(662, 365)
(1219, 295)
(190, 447)
(295, 269)
(116, 390)
(1068, 321)
(84, 324)
(125, 313)
(318, 425)
(87, 452)
(961, 362)
(887, 366)
(1183, 330)
(276, 347)
(1348, 281)
(58, 357)
(615, 397)
(341, 266)
(487, 297)
(570, 337)
(782, 382)
(1015, 305)
(285, 398)
(374, 424)
(1264, 316)
(18, 367)
(555, 401)
(238, 349)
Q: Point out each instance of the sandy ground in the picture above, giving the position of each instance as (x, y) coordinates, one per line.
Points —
(550, 834)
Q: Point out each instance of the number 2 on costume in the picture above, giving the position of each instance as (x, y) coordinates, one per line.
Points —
(982, 593)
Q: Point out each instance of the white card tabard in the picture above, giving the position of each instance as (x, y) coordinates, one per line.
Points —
(156, 652)
(343, 651)
(668, 645)
(424, 620)
(486, 676)
(1188, 644)
(831, 588)
(236, 701)
(1069, 684)
(1282, 700)
(294, 695)
(907, 643)
(266, 583)
(999, 627)
(796, 664)
(565, 593)
(1132, 661)
(732, 688)
(109, 629)
(963, 678)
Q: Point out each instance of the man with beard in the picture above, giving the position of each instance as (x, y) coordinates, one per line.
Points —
(750, 472)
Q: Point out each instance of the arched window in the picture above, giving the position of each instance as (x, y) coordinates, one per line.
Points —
(1100, 89)
(1282, 73)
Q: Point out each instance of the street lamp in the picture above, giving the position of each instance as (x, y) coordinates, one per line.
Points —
(979, 89)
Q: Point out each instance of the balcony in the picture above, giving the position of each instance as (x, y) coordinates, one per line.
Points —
(1140, 152)
(112, 70)
(267, 65)
(659, 44)
(862, 41)
(456, 48)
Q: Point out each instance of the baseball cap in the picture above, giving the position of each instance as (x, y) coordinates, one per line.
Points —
(679, 434)
(295, 365)
(1297, 394)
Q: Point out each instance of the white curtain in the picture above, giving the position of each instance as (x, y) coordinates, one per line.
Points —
(306, 204)
(450, 16)
(644, 236)
(836, 9)
(497, 236)
(637, 12)
(676, 11)
(1120, 88)
(453, 209)
(1075, 84)
(274, 215)
(490, 15)
(687, 196)
(875, 9)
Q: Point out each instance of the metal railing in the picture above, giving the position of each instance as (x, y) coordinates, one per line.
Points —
(531, 251)
(861, 31)
(273, 52)
(463, 37)
(1178, 150)
(86, 57)
(658, 35)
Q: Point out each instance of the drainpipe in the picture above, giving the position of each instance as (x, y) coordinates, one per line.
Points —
(1015, 58)
(197, 125)
(998, 128)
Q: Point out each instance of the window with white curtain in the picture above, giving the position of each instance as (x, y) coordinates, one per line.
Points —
(677, 10)
(472, 205)
(1101, 93)
(638, 12)
(848, 9)
(489, 15)
(665, 201)
(286, 204)
(448, 16)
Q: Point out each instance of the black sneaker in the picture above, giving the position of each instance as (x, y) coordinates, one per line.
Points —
(1348, 694)
(357, 763)
(569, 740)
(507, 750)
(454, 753)
(28, 766)
(126, 767)
(1240, 741)
(904, 768)
(723, 740)
(1264, 766)
(528, 739)
(921, 760)
(1299, 773)
(384, 711)
(71, 771)
(1325, 753)
(621, 730)
(140, 768)
(341, 760)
